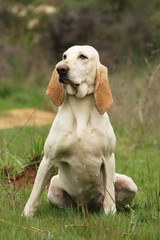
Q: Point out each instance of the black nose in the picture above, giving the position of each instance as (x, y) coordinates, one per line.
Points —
(62, 70)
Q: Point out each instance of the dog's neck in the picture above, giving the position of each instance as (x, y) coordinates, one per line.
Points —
(82, 109)
(80, 91)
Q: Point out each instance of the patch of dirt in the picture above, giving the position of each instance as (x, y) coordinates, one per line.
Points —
(27, 176)
(29, 117)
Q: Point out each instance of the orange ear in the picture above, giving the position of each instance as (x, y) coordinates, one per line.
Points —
(102, 92)
(55, 90)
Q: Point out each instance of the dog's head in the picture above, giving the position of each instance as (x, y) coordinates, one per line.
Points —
(80, 73)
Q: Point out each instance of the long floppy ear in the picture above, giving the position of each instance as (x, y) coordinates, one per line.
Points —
(55, 90)
(102, 92)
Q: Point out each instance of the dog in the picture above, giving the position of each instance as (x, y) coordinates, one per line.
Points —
(81, 140)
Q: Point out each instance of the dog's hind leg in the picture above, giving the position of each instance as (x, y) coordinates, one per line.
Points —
(125, 188)
(57, 195)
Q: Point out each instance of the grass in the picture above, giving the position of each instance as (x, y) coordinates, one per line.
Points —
(140, 163)
(18, 145)
(18, 96)
(137, 155)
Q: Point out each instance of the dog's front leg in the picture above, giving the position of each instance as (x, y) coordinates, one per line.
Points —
(43, 175)
(109, 188)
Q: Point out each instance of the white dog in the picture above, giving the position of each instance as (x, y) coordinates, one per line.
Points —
(81, 140)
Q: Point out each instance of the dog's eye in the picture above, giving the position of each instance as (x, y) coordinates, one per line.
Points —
(82, 57)
(64, 57)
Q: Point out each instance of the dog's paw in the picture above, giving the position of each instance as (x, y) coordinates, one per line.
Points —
(111, 209)
(28, 211)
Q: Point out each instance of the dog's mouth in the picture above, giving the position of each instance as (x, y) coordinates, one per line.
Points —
(65, 80)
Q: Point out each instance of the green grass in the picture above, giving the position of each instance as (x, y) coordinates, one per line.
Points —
(137, 155)
(139, 162)
(19, 144)
(20, 96)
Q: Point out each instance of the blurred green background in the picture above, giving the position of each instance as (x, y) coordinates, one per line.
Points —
(34, 34)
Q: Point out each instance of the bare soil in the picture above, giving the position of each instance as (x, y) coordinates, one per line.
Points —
(29, 117)
(27, 176)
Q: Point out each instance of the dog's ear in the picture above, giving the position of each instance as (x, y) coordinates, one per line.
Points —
(55, 90)
(102, 92)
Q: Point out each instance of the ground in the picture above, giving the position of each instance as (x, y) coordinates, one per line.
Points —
(23, 117)
(29, 117)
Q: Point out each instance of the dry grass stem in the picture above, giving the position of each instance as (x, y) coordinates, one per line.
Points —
(33, 229)
(83, 226)
(19, 130)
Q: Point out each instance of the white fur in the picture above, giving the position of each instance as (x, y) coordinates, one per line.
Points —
(80, 142)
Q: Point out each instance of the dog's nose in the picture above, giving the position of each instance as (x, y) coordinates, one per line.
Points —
(62, 69)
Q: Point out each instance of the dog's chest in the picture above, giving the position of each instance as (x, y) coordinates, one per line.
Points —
(85, 143)
(79, 131)
(82, 138)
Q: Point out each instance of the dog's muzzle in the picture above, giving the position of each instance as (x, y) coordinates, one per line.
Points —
(62, 71)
